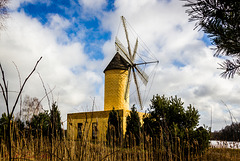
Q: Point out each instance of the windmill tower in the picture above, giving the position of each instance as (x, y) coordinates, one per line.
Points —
(118, 75)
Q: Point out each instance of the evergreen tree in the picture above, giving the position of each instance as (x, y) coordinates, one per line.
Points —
(3, 126)
(202, 136)
(20, 124)
(56, 128)
(17, 127)
(170, 113)
(114, 130)
(220, 20)
(133, 126)
(168, 118)
(40, 124)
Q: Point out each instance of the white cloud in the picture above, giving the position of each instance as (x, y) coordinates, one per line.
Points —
(14, 4)
(164, 27)
(93, 4)
(26, 40)
(92, 8)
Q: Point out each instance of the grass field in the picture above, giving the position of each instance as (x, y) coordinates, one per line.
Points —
(43, 149)
(222, 154)
(29, 147)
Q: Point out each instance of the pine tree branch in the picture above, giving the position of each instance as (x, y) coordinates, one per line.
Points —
(231, 68)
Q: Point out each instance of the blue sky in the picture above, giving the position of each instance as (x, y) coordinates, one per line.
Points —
(71, 10)
(76, 40)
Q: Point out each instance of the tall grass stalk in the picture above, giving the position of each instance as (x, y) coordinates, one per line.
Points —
(27, 147)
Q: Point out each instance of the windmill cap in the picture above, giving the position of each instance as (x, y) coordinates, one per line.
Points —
(117, 62)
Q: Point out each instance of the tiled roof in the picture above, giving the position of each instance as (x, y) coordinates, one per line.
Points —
(118, 62)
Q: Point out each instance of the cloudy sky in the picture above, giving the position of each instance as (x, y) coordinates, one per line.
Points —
(76, 41)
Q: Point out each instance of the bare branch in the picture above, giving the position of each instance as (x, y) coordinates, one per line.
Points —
(230, 113)
(46, 95)
(19, 76)
(3, 12)
(52, 94)
(4, 89)
(14, 106)
(20, 83)
(51, 90)
(45, 91)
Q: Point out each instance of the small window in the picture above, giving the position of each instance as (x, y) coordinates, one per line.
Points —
(94, 130)
(79, 131)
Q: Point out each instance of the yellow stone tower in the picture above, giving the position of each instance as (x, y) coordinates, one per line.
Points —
(93, 125)
(116, 77)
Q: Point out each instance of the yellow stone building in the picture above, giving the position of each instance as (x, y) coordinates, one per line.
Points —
(93, 125)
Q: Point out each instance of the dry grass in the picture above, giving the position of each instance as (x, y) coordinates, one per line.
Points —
(222, 154)
(28, 148)
(41, 149)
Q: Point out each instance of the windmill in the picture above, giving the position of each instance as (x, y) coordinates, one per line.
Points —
(133, 67)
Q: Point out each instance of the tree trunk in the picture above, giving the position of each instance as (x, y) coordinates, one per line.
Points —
(9, 147)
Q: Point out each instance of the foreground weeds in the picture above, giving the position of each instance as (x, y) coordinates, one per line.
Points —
(222, 154)
(28, 147)
(41, 149)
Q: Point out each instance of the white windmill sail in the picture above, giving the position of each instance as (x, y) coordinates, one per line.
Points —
(133, 67)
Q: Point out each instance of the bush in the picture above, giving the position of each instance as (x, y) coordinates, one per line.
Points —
(168, 117)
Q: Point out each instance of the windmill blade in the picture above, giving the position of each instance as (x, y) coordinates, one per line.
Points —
(128, 84)
(122, 51)
(126, 33)
(143, 76)
(138, 92)
(135, 50)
